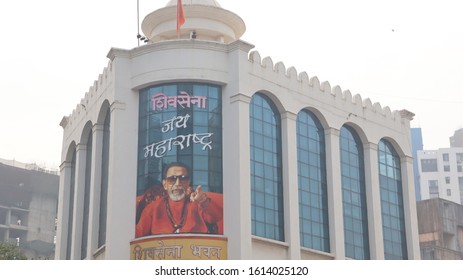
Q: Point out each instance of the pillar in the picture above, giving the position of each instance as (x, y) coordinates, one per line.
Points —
(333, 178)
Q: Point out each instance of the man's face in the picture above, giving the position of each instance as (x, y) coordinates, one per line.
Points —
(177, 182)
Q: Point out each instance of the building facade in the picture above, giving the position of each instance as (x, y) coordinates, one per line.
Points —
(456, 141)
(441, 174)
(295, 168)
(28, 206)
(417, 145)
(441, 229)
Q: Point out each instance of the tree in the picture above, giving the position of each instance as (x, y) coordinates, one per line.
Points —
(10, 252)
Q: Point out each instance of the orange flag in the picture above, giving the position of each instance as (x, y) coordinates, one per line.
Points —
(180, 16)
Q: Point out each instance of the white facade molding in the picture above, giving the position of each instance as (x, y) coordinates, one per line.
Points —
(333, 180)
(373, 196)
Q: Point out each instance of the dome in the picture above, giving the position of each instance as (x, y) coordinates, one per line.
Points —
(206, 18)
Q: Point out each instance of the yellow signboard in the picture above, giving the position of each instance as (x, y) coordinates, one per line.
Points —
(179, 247)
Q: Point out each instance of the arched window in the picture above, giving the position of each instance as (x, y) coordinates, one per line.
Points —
(104, 181)
(353, 195)
(88, 171)
(392, 207)
(266, 174)
(313, 205)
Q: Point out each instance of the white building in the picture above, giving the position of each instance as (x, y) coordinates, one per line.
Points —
(307, 171)
(441, 174)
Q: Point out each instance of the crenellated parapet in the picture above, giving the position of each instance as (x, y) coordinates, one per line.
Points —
(312, 85)
(88, 102)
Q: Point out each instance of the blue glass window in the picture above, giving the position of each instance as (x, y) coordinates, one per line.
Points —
(392, 208)
(313, 205)
(266, 174)
(353, 195)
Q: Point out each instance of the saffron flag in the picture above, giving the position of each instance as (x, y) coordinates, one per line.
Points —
(180, 16)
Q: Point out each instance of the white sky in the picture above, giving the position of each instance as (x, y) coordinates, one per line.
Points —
(405, 54)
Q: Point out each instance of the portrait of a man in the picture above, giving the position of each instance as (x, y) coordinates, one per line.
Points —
(180, 208)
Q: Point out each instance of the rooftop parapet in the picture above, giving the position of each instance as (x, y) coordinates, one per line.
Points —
(313, 83)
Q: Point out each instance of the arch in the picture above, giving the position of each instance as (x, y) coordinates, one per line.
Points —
(266, 168)
(318, 115)
(355, 216)
(395, 145)
(104, 109)
(71, 149)
(86, 131)
(273, 98)
(392, 206)
(312, 182)
(359, 132)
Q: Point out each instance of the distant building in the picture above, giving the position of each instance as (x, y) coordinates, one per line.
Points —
(28, 205)
(440, 224)
(417, 145)
(441, 174)
(456, 141)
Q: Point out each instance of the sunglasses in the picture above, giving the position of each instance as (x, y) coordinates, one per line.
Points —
(183, 179)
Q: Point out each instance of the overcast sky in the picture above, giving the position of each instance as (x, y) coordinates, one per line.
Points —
(404, 54)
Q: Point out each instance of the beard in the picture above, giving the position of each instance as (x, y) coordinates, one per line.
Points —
(177, 193)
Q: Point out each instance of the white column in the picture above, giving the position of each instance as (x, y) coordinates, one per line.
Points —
(123, 151)
(62, 233)
(410, 215)
(236, 97)
(236, 176)
(290, 184)
(372, 191)
(81, 156)
(333, 178)
(95, 190)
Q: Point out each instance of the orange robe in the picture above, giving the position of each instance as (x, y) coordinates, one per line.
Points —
(155, 220)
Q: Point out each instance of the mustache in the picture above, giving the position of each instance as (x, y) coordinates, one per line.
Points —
(177, 188)
(183, 189)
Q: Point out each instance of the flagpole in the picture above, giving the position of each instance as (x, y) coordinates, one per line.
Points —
(180, 17)
(138, 22)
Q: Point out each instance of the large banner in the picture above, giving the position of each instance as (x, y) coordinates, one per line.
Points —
(179, 186)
